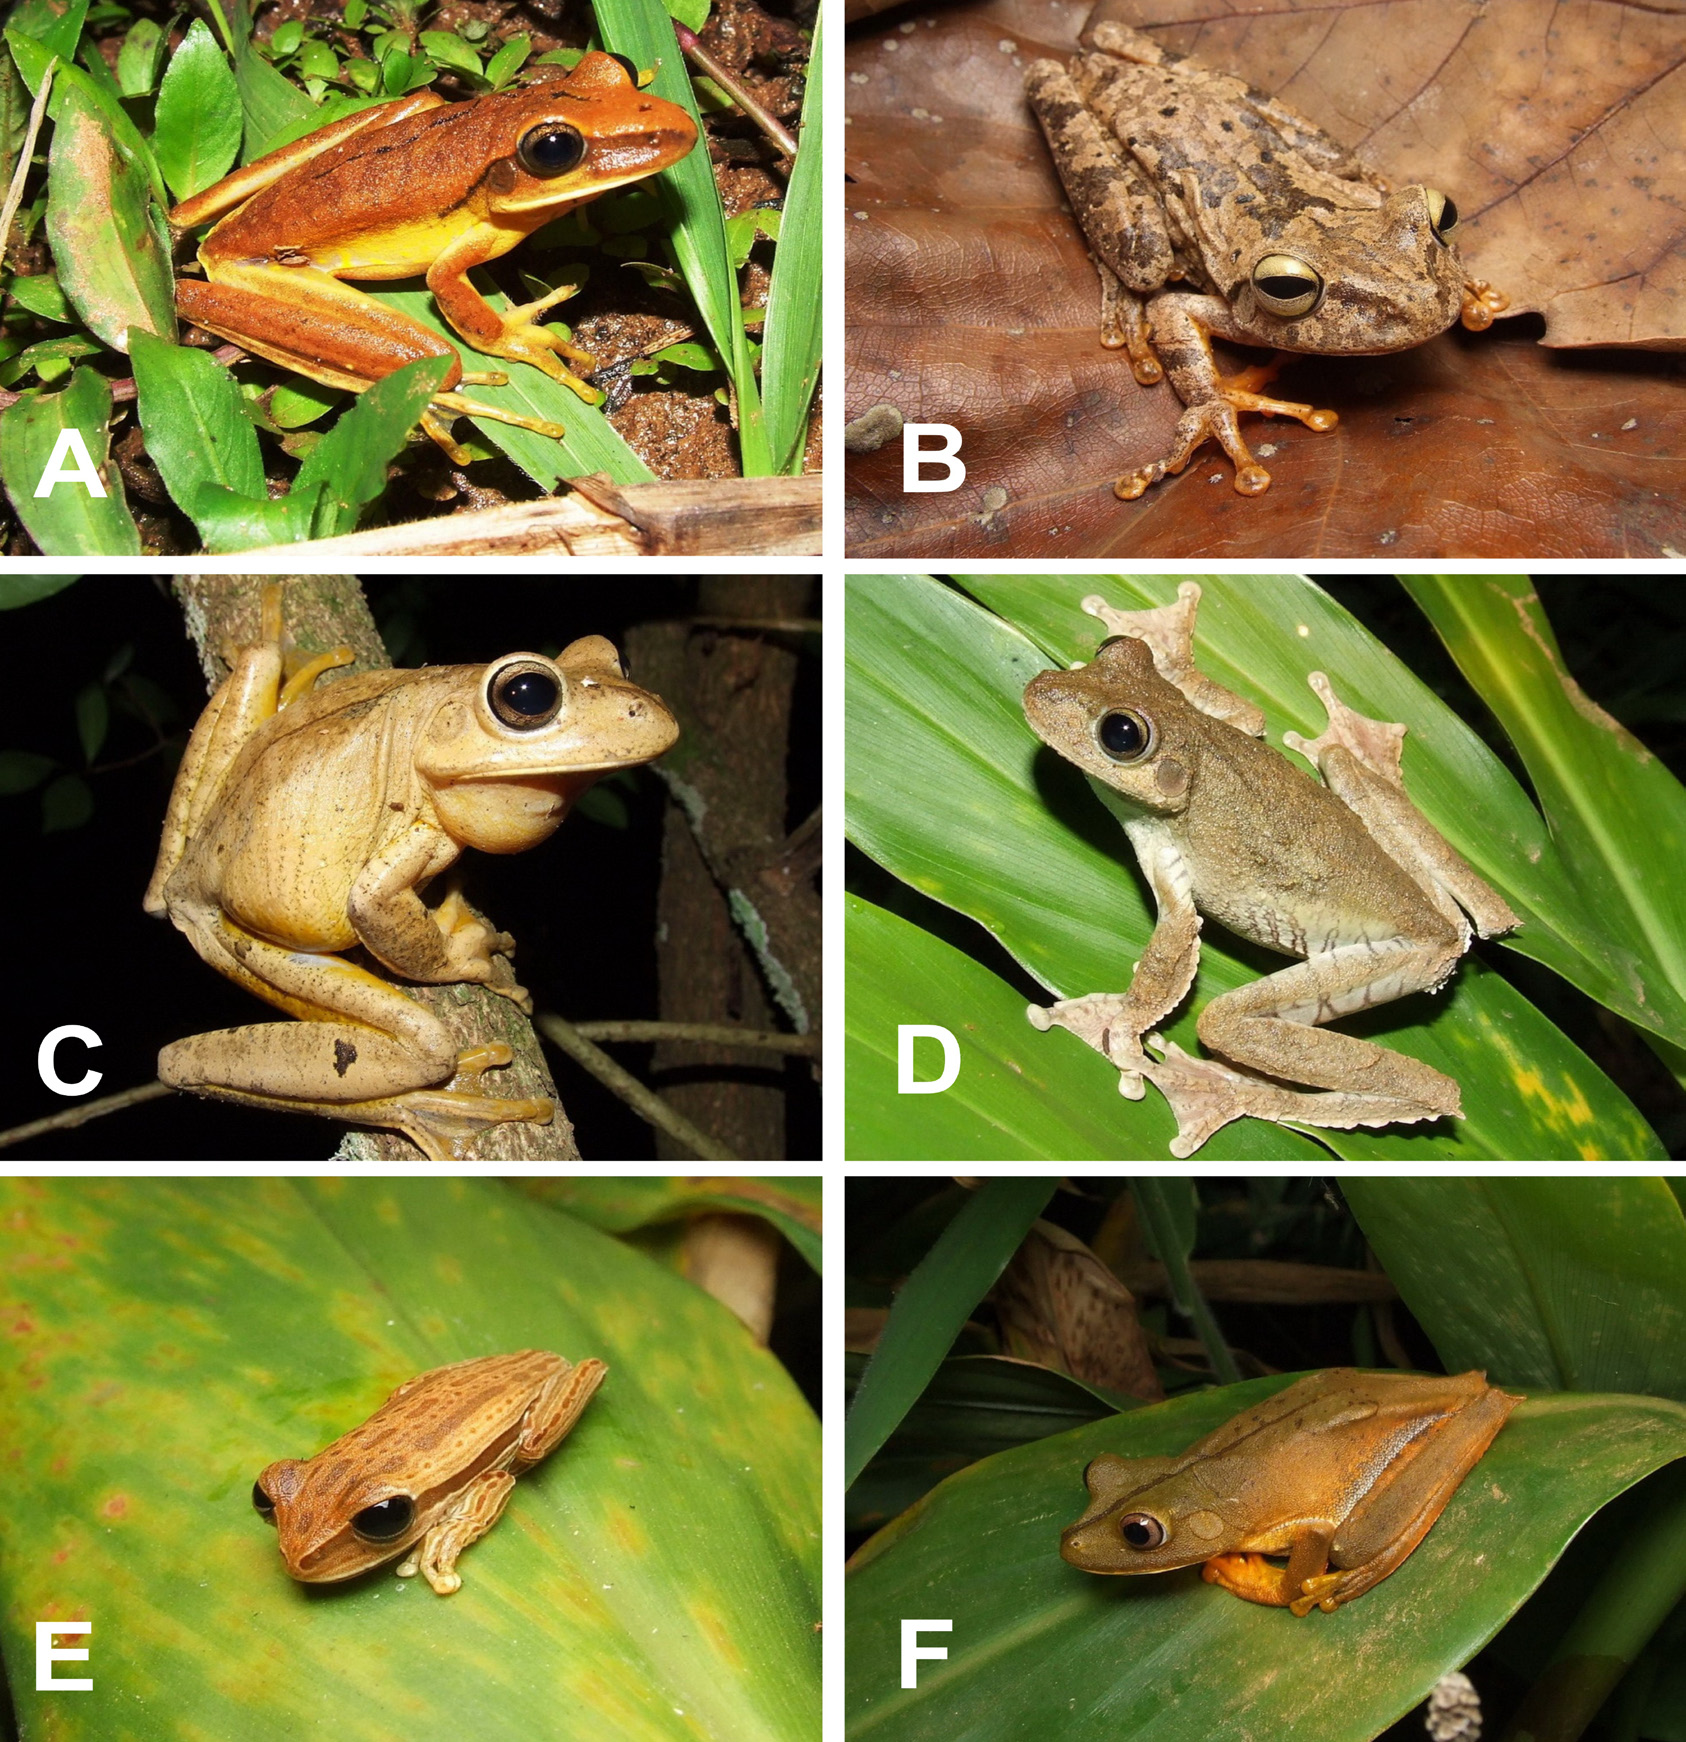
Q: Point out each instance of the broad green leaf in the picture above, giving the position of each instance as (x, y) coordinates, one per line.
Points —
(23, 771)
(1617, 919)
(1573, 1284)
(790, 361)
(70, 520)
(655, 1579)
(1015, 1098)
(350, 461)
(592, 443)
(16, 590)
(197, 137)
(447, 49)
(230, 521)
(643, 31)
(95, 95)
(66, 804)
(948, 788)
(56, 27)
(111, 248)
(936, 1300)
(1042, 1650)
(196, 428)
(626, 1202)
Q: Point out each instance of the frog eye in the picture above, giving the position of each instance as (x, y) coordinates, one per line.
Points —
(1287, 286)
(1123, 735)
(385, 1520)
(265, 1506)
(1442, 215)
(524, 695)
(551, 148)
(1141, 1530)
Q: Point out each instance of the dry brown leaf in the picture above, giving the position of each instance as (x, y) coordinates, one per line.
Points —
(1061, 1307)
(1557, 129)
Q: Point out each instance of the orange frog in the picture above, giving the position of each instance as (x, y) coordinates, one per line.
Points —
(419, 185)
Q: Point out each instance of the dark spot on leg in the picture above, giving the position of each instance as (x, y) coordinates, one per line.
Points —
(345, 1056)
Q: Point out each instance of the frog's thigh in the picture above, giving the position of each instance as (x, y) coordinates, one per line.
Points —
(1382, 1531)
(560, 1403)
(477, 1509)
(1123, 222)
(306, 320)
(1267, 1026)
(390, 1043)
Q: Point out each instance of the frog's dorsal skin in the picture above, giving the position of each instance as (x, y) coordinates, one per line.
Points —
(1348, 876)
(1183, 176)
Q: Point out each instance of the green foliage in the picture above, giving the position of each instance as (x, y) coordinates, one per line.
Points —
(950, 791)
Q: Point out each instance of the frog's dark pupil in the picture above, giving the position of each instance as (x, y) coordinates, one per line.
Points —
(1122, 735)
(1448, 217)
(1140, 1535)
(551, 149)
(261, 1500)
(1286, 289)
(385, 1519)
(529, 694)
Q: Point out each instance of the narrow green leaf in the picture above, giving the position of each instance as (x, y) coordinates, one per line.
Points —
(1170, 1210)
(197, 136)
(70, 520)
(508, 61)
(350, 461)
(792, 335)
(57, 28)
(140, 57)
(93, 718)
(275, 110)
(111, 247)
(196, 427)
(643, 31)
(934, 1303)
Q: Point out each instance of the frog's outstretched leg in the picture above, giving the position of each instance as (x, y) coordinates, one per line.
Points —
(1181, 325)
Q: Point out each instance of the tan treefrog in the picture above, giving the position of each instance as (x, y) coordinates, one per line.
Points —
(1343, 1470)
(1280, 237)
(304, 825)
(430, 1471)
(1349, 876)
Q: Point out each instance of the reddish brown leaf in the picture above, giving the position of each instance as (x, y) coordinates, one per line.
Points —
(972, 302)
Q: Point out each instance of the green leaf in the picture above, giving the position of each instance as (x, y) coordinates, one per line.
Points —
(16, 590)
(657, 1576)
(689, 355)
(1612, 916)
(197, 137)
(790, 363)
(693, 14)
(948, 788)
(23, 770)
(1571, 1284)
(286, 38)
(140, 57)
(110, 244)
(592, 443)
(70, 520)
(970, 1253)
(1042, 1650)
(1014, 1099)
(449, 50)
(40, 294)
(623, 1203)
(66, 804)
(57, 28)
(643, 32)
(93, 719)
(228, 521)
(196, 427)
(275, 109)
(351, 459)
(508, 61)
(317, 61)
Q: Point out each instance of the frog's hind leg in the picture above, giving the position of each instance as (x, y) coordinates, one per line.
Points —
(371, 1056)
(478, 1508)
(1268, 1027)
(560, 1403)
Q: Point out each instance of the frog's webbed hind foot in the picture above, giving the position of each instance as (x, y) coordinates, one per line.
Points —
(1100, 1020)
(1205, 1096)
(444, 1123)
